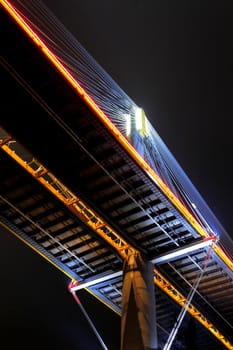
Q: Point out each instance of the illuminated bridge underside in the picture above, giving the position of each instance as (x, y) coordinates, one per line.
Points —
(90, 162)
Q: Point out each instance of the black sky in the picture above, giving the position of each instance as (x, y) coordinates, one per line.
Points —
(174, 59)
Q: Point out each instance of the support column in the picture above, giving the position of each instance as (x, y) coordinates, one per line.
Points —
(138, 321)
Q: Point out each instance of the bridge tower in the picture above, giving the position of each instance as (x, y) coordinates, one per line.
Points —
(138, 320)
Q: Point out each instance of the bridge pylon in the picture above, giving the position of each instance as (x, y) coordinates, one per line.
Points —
(138, 320)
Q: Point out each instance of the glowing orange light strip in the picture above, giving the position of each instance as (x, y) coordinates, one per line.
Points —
(111, 127)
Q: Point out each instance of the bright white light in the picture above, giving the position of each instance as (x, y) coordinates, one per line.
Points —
(141, 121)
(96, 281)
(179, 252)
(128, 124)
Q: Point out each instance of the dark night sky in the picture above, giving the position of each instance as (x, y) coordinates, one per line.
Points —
(174, 59)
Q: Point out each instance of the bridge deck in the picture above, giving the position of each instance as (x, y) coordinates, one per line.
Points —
(47, 124)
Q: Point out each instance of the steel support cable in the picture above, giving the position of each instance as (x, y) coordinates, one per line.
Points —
(78, 61)
(156, 161)
(86, 75)
(74, 294)
(51, 24)
(187, 303)
(201, 296)
(78, 302)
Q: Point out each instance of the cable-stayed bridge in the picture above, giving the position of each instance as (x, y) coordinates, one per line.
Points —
(86, 180)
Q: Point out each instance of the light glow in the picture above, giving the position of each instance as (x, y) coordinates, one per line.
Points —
(179, 252)
(128, 124)
(140, 121)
